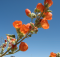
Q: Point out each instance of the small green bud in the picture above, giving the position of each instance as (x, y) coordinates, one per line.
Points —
(13, 42)
(29, 15)
(8, 48)
(33, 15)
(8, 40)
(39, 14)
(6, 43)
(32, 32)
(3, 49)
(35, 10)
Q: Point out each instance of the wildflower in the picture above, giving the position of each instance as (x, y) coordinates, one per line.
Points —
(44, 24)
(17, 24)
(40, 7)
(48, 15)
(53, 54)
(24, 29)
(23, 46)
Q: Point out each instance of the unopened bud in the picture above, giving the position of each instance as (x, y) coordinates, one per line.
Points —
(3, 49)
(6, 43)
(39, 14)
(33, 15)
(13, 42)
(5, 40)
(8, 40)
(36, 10)
(8, 48)
(32, 31)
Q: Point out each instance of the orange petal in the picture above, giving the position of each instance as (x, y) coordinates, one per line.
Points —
(17, 24)
(23, 46)
(27, 11)
(44, 24)
(50, 2)
(40, 7)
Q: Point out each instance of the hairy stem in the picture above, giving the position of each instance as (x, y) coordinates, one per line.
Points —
(15, 44)
(19, 41)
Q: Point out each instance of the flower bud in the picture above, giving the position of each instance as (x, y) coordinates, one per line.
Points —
(13, 42)
(36, 10)
(8, 40)
(32, 31)
(5, 40)
(6, 43)
(39, 14)
(10, 43)
(3, 49)
(8, 48)
(33, 15)
(27, 11)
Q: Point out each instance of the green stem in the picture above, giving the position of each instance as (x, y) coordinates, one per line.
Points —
(31, 20)
(19, 41)
(15, 44)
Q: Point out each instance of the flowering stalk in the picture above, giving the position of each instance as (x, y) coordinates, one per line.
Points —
(31, 28)
(15, 44)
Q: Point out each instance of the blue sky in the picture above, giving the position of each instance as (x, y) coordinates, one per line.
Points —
(40, 44)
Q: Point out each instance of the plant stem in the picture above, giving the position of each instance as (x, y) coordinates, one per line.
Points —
(15, 44)
(21, 40)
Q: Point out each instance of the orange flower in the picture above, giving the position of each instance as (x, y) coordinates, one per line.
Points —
(44, 24)
(40, 7)
(23, 46)
(48, 15)
(50, 2)
(28, 25)
(24, 29)
(27, 11)
(17, 24)
(53, 54)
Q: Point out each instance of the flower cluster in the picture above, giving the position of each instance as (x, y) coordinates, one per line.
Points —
(52, 54)
(42, 15)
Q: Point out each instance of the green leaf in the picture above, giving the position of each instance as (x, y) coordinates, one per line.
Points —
(11, 35)
(49, 11)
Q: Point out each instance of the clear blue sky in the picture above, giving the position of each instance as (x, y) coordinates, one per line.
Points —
(40, 44)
